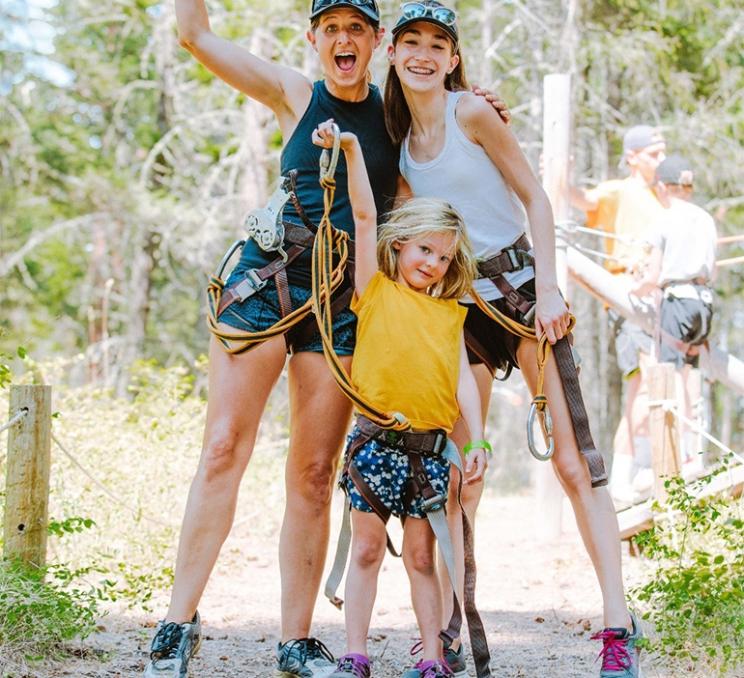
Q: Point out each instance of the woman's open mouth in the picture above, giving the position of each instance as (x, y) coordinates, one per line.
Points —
(345, 61)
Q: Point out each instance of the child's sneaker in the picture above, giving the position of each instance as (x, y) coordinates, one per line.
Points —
(433, 669)
(304, 658)
(455, 660)
(354, 665)
(620, 654)
(172, 648)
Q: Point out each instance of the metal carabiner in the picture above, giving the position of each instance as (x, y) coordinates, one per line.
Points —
(223, 262)
(546, 423)
(329, 160)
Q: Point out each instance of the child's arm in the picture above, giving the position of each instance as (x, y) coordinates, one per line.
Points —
(362, 203)
(469, 401)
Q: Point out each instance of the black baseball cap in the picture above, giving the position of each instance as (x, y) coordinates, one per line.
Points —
(675, 170)
(432, 12)
(367, 7)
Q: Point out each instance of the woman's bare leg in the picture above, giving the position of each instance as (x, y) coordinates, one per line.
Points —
(319, 419)
(595, 514)
(238, 389)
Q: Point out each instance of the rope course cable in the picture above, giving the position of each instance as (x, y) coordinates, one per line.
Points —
(111, 495)
(14, 419)
(672, 407)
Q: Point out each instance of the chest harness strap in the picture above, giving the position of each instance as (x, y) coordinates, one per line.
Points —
(416, 445)
(515, 258)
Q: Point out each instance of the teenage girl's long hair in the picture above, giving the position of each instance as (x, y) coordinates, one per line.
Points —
(397, 113)
(420, 217)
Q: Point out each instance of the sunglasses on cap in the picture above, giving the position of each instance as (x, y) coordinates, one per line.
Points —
(369, 7)
(424, 10)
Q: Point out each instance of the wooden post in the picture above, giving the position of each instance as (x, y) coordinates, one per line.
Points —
(27, 479)
(556, 136)
(663, 427)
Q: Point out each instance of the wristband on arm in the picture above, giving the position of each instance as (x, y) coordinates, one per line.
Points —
(477, 444)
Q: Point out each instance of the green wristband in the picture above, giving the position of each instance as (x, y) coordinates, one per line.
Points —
(475, 444)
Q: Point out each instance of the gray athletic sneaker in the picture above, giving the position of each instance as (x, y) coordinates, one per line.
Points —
(173, 647)
(620, 654)
(304, 657)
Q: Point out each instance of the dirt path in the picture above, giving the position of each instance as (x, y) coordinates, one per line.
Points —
(539, 604)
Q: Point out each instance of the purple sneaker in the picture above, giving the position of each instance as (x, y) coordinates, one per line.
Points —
(352, 665)
(433, 669)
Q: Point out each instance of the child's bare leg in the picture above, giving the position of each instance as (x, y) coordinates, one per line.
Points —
(426, 596)
(367, 553)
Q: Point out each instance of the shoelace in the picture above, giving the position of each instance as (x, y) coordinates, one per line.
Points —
(316, 649)
(614, 653)
(166, 642)
(358, 669)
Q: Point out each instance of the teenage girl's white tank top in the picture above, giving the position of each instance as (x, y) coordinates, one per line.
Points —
(464, 176)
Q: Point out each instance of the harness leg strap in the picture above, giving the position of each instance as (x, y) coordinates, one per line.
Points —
(576, 408)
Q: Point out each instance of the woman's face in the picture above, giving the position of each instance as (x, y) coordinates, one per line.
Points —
(423, 56)
(344, 42)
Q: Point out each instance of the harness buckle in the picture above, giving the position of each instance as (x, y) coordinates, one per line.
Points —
(434, 503)
(546, 423)
(249, 285)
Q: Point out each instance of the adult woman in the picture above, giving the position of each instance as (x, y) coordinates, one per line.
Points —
(457, 150)
(344, 34)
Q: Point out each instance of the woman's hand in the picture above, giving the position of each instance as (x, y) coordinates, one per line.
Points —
(476, 462)
(323, 136)
(551, 315)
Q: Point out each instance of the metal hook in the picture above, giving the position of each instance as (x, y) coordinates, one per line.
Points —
(546, 423)
(329, 160)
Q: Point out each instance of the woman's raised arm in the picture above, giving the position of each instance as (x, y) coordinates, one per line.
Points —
(282, 89)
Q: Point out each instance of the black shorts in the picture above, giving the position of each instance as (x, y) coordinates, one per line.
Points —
(688, 320)
(490, 344)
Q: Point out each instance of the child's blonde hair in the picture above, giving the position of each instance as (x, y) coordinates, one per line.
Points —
(420, 217)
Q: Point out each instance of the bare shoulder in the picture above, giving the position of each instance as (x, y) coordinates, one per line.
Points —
(476, 115)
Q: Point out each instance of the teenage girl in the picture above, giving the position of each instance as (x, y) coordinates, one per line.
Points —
(410, 357)
(455, 148)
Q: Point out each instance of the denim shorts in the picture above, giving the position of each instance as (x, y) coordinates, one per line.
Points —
(261, 310)
(387, 472)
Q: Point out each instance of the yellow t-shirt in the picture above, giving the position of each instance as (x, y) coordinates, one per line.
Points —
(407, 355)
(626, 207)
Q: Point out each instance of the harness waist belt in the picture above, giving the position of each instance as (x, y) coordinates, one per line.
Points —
(428, 443)
(512, 258)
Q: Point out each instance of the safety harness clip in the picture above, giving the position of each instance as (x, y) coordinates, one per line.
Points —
(329, 160)
(546, 423)
(434, 503)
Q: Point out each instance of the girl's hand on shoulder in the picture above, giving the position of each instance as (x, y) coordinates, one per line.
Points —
(551, 315)
(495, 100)
(476, 462)
(323, 136)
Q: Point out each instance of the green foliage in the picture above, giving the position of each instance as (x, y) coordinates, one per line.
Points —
(41, 611)
(695, 596)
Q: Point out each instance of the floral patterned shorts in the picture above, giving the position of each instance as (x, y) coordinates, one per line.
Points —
(387, 472)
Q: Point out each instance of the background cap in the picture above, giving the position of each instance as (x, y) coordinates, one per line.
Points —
(641, 136)
(675, 170)
(367, 7)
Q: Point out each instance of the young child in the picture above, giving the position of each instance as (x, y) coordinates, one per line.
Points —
(454, 149)
(410, 357)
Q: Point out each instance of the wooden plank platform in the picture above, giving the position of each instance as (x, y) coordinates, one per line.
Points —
(640, 517)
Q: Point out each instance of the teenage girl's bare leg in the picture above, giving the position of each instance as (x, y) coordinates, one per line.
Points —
(319, 419)
(471, 496)
(367, 553)
(426, 598)
(595, 514)
(238, 389)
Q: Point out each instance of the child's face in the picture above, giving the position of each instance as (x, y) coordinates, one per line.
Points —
(424, 262)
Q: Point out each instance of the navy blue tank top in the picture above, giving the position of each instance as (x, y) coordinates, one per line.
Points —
(366, 120)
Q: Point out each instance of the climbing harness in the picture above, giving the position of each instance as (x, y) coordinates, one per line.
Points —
(266, 227)
(514, 258)
(391, 428)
